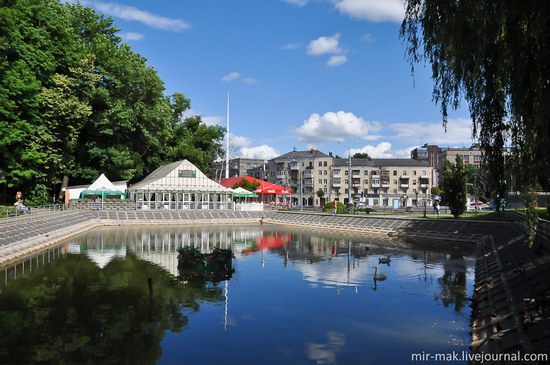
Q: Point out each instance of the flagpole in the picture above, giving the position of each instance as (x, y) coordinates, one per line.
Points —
(227, 141)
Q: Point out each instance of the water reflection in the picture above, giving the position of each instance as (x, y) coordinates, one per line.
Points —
(301, 290)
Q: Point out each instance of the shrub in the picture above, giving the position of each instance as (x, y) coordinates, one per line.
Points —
(329, 207)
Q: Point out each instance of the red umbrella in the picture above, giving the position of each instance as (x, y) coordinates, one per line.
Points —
(477, 203)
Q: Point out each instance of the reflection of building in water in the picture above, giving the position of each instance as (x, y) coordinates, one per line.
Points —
(29, 264)
(158, 245)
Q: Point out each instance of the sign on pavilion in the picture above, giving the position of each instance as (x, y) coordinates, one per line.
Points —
(180, 185)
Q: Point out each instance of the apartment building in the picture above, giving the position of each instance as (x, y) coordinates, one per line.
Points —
(306, 172)
(382, 182)
(237, 166)
(436, 156)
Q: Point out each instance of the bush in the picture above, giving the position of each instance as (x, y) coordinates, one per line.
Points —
(329, 207)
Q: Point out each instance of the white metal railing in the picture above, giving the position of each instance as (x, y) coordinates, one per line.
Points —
(249, 207)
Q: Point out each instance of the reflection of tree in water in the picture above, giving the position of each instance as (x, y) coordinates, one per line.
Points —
(453, 283)
(75, 312)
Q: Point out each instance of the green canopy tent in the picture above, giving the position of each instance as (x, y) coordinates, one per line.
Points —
(243, 193)
(103, 188)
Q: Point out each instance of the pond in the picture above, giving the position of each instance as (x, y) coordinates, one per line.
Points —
(295, 297)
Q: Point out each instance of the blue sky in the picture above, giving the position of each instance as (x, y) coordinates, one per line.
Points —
(301, 73)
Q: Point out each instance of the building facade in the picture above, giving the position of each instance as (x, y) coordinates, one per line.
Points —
(306, 172)
(382, 182)
(237, 166)
(317, 178)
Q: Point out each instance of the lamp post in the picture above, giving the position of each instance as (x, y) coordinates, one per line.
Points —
(425, 200)
(349, 170)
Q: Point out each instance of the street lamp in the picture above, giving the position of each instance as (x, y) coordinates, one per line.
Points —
(349, 170)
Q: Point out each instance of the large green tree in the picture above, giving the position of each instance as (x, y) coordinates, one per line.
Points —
(495, 54)
(76, 102)
(454, 186)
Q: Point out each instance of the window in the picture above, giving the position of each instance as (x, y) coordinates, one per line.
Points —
(320, 181)
(346, 172)
(320, 163)
(414, 173)
(325, 181)
(395, 181)
(374, 201)
(466, 158)
(404, 172)
(366, 181)
(326, 172)
(366, 172)
(424, 173)
(414, 181)
(395, 191)
(394, 172)
(325, 163)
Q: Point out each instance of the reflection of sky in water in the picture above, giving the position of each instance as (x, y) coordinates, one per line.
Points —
(306, 302)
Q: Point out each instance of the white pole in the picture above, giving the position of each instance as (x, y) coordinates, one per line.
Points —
(227, 142)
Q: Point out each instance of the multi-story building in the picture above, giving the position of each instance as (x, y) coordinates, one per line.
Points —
(238, 166)
(306, 172)
(382, 182)
(436, 156)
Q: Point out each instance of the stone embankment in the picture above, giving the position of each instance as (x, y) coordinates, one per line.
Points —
(511, 299)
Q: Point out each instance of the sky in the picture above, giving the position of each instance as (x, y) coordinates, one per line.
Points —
(300, 74)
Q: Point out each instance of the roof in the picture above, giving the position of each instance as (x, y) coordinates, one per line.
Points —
(102, 183)
(178, 176)
(302, 155)
(264, 187)
(376, 162)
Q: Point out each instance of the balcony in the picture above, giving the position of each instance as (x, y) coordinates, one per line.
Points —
(294, 167)
(385, 184)
(356, 175)
(356, 185)
(375, 184)
(336, 184)
(404, 177)
(308, 174)
(424, 186)
(424, 177)
(281, 174)
(337, 176)
(375, 176)
(404, 185)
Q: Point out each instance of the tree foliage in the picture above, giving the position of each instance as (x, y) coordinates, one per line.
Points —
(246, 184)
(495, 54)
(75, 101)
(455, 186)
(361, 155)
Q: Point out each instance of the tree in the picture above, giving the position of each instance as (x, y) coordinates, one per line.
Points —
(495, 54)
(246, 184)
(455, 186)
(361, 155)
(435, 190)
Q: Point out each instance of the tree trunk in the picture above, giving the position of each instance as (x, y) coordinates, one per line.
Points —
(63, 189)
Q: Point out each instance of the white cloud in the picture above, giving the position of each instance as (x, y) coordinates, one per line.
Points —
(368, 38)
(238, 141)
(295, 45)
(250, 81)
(296, 2)
(328, 45)
(263, 152)
(373, 10)
(213, 120)
(231, 76)
(405, 152)
(131, 13)
(335, 126)
(381, 150)
(324, 45)
(459, 132)
(132, 36)
(337, 60)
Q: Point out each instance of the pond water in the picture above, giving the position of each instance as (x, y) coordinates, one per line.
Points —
(296, 297)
